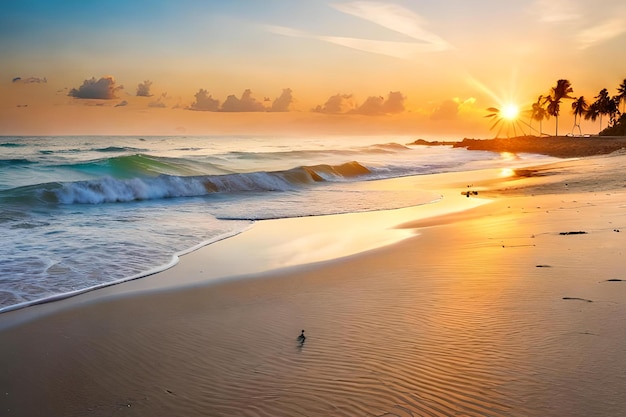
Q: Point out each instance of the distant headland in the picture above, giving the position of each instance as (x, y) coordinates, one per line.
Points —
(557, 146)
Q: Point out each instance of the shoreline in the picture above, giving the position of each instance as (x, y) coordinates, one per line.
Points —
(489, 311)
(268, 253)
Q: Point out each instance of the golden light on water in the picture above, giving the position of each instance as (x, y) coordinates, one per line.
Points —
(506, 172)
(508, 156)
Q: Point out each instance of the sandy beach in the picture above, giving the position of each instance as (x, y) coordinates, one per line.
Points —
(509, 302)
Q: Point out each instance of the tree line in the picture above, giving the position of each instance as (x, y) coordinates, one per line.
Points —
(549, 105)
(604, 105)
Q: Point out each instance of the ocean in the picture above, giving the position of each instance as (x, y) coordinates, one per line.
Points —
(83, 212)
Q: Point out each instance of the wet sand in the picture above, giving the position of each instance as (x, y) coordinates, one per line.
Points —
(491, 310)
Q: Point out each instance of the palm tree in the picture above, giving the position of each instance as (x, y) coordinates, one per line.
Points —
(612, 109)
(593, 113)
(600, 107)
(579, 108)
(562, 90)
(622, 94)
(539, 113)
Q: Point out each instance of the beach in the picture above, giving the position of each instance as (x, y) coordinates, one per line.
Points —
(508, 302)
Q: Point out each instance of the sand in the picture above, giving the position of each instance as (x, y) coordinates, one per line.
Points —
(485, 310)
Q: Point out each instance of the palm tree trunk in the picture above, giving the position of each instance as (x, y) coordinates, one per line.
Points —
(600, 123)
(577, 124)
(557, 125)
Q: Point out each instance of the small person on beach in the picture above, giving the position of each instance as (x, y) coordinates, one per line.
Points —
(301, 338)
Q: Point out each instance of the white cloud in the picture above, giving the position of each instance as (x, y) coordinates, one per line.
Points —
(557, 11)
(395, 18)
(402, 50)
(602, 32)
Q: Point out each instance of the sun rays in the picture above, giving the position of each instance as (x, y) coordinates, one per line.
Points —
(506, 119)
(506, 116)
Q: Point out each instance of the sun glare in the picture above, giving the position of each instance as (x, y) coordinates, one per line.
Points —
(510, 112)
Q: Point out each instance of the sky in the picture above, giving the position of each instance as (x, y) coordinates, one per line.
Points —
(402, 67)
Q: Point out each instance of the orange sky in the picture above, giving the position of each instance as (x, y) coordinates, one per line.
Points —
(362, 67)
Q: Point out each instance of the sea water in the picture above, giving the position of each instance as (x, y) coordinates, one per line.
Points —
(82, 212)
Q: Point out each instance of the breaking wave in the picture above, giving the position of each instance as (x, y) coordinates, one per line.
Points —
(109, 189)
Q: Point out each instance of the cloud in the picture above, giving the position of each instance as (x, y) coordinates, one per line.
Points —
(282, 103)
(401, 50)
(29, 80)
(103, 89)
(159, 103)
(375, 106)
(122, 103)
(397, 19)
(204, 102)
(337, 104)
(589, 30)
(556, 11)
(372, 106)
(389, 16)
(246, 103)
(602, 32)
(447, 110)
(450, 109)
(143, 89)
(394, 103)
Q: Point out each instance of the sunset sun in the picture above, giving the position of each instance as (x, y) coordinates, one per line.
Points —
(510, 112)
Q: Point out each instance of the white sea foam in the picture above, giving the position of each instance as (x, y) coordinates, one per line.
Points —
(98, 213)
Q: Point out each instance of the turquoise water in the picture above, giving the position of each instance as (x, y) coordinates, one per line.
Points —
(78, 213)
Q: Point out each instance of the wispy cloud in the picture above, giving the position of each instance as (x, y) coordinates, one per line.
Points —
(557, 11)
(402, 50)
(602, 32)
(397, 19)
(389, 16)
(571, 11)
(29, 80)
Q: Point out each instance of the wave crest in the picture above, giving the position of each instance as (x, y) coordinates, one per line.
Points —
(113, 190)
